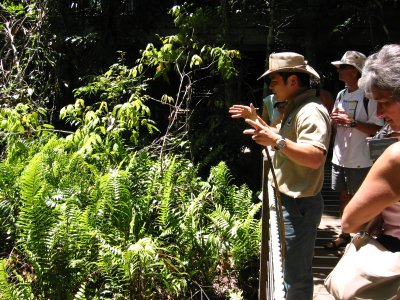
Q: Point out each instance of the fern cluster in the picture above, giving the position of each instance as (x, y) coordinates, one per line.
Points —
(144, 229)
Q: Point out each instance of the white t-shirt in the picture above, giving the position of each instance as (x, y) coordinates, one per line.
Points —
(350, 149)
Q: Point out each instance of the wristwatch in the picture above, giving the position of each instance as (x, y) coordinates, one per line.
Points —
(353, 123)
(280, 143)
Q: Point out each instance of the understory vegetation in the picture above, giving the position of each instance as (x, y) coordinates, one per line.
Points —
(78, 227)
(109, 206)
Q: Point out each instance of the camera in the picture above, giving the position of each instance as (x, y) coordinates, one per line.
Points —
(377, 146)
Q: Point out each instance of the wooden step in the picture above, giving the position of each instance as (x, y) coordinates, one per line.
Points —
(325, 260)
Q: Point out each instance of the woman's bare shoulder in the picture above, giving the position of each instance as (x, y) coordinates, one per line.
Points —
(390, 157)
(393, 151)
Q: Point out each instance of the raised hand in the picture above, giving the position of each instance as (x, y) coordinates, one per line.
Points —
(243, 111)
(262, 134)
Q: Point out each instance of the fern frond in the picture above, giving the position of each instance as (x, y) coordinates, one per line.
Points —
(80, 294)
(32, 181)
(220, 180)
(242, 199)
(114, 203)
(15, 289)
(6, 288)
(165, 207)
(221, 219)
(246, 242)
(35, 218)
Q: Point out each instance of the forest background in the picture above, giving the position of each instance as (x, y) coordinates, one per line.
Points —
(121, 174)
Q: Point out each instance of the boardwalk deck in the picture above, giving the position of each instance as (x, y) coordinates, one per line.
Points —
(325, 260)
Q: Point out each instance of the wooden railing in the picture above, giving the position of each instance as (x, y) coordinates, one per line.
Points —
(271, 286)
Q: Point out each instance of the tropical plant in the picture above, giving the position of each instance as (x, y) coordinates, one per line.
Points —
(23, 129)
(128, 233)
(102, 213)
(196, 63)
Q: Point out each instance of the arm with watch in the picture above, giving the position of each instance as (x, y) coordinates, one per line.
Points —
(367, 128)
(302, 153)
(341, 118)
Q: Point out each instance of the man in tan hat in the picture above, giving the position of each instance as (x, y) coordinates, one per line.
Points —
(301, 145)
(354, 118)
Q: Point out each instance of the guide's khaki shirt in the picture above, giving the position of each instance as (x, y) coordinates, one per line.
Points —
(307, 121)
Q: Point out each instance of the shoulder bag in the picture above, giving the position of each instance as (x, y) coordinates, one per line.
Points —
(367, 270)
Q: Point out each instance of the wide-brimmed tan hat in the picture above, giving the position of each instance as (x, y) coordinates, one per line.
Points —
(289, 62)
(352, 58)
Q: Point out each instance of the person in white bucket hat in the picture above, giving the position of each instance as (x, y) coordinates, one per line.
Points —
(354, 119)
(351, 58)
(301, 144)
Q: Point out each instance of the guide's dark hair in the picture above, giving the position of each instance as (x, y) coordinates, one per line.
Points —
(304, 78)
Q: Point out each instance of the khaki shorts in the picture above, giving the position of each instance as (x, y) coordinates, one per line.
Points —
(347, 179)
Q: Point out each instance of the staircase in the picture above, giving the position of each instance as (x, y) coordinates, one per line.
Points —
(325, 260)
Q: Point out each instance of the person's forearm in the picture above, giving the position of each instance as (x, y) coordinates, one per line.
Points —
(304, 154)
(367, 128)
(349, 226)
(272, 128)
(262, 121)
(264, 116)
(379, 190)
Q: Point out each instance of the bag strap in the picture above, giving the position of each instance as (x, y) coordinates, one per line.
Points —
(372, 224)
(342, 92)
(366, 100)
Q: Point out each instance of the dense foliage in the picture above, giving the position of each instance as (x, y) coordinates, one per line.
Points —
(103, 210)
(142, 229)
(118, 166)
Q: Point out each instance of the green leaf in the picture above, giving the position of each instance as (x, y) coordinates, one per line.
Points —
(196, 61)
(167, 99)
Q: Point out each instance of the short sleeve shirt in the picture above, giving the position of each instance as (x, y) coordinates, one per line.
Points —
(350, 149)
(307, 121)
